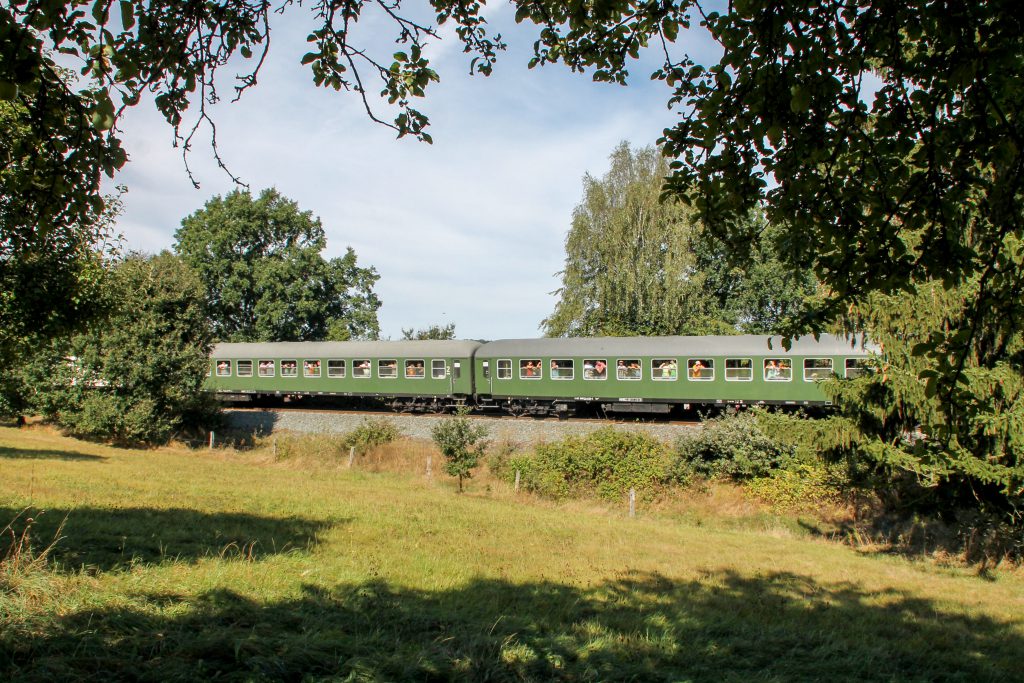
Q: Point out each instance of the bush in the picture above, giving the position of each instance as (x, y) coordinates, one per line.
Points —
(606, 463)
(459, 442)
(371, 432)
(802, 487)
(730, 446)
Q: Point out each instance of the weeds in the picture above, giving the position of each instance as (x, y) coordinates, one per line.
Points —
(20, 560)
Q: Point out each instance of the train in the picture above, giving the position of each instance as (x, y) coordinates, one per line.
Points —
(544, 377)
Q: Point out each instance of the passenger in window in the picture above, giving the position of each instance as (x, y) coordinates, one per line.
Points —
(634, 370)
(668, 369)
(620, 369)
(697, 370)
(599, 368)
(772, 370)
(222, 368)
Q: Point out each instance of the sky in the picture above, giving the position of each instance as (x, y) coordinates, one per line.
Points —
(469, 230)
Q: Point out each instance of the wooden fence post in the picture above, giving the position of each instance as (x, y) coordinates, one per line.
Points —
(632, 502)
(429, 464)
(517, 481)
(351, 455)
(211, 440)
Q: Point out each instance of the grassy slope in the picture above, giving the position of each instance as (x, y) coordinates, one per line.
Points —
(181, 566)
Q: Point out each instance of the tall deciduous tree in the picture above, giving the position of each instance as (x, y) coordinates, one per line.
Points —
(636, 264)
(266, 280)
(136, 377)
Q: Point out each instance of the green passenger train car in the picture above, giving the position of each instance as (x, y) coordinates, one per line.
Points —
(429, 375)
(653, 374)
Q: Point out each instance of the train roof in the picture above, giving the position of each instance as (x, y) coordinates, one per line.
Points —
(430, 348)
(624, 347)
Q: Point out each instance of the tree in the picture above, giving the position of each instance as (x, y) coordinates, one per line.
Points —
(260, 261)
(900, 424)
(630, 267)
(50, 252)
(764, 296)
(137, 376)
(432, 332)
(459, 442)
(638, 265)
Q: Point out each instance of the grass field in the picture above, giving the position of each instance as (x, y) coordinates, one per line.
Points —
(195, 565)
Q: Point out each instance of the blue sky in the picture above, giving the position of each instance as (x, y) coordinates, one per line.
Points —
(469, 230)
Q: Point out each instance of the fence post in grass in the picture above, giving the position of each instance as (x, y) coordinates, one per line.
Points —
(517, 481)
(211, 440)
(351, 455)
(632, 502)
(275, 448)
(429, 463)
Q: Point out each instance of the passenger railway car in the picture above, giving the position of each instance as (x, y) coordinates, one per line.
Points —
(544, 376)
(426, 375)
(652, 374)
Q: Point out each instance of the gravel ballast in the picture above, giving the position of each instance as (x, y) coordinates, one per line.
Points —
(519, 430)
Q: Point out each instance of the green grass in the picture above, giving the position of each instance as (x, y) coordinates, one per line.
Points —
(180, 565)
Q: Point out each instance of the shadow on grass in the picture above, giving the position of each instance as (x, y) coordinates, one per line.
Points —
(725, 627)
(46, 454)
(103, 539)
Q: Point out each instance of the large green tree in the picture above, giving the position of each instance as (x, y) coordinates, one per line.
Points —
(135, 376)
(637, 263)
(266, 280)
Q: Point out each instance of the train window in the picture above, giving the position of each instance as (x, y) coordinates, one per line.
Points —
(311, 368)
(628, 368)
(505, 369)
(223, 368)
(700, 369)
(414, 369)
(739, 370)
(361, 368)
(816, 369)
(387, 369)
(856, 367)
(664, 369)
(289, 368)
(438, 369)
(243, 368)
(531, 369)
(336, 369)
(266, 368)
(778, 369)
(561, 369)
(595, 368)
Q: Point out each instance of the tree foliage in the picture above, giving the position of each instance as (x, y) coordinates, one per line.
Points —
(50, 250)
(135, 377)
(639, 265)
(903, 425)
(260, 261)
(432, 332)
(460, 442)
